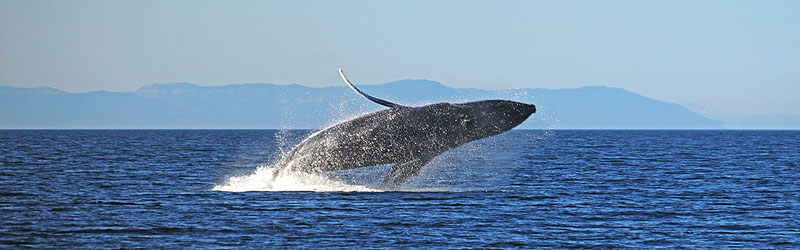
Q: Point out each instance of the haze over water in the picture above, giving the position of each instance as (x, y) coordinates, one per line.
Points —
(522, 189)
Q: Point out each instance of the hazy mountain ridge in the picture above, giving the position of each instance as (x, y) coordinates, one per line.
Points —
(266, 105)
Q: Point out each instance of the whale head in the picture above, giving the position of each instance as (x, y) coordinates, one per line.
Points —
(493, 117)
(465, 122)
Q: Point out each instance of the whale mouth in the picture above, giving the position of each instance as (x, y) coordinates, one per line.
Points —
(528, 108)
(521, 111)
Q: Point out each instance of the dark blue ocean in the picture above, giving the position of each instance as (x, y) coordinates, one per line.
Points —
(87, 189)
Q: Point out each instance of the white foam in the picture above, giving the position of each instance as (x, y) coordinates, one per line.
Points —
(265, 179)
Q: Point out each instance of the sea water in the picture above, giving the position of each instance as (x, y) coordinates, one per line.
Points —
(85, 189)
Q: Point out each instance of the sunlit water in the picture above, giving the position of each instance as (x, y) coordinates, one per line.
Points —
(523, 189)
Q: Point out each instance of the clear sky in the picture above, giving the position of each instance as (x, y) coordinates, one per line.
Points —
(716, 57)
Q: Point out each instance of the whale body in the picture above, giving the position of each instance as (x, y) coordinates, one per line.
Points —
(408, 137)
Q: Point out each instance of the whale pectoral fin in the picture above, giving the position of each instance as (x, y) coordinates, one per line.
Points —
(369, 97)
(401, 172)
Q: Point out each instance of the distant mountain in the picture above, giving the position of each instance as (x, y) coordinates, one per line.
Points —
(185, 105)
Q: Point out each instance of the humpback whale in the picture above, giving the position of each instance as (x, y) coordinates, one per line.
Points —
(408, 137)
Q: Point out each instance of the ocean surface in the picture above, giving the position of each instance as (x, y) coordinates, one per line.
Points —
(88, 189)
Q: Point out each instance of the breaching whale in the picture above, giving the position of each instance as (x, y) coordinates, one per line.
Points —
(408, 137)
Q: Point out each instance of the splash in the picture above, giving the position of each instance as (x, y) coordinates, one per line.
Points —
(266, 178)
(273, 179)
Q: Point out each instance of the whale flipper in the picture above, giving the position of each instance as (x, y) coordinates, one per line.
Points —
(401, 172)
(369, 97)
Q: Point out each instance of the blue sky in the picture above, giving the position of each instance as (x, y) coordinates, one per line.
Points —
(716, 57)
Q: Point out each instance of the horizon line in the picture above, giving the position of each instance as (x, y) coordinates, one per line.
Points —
(303, 85)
